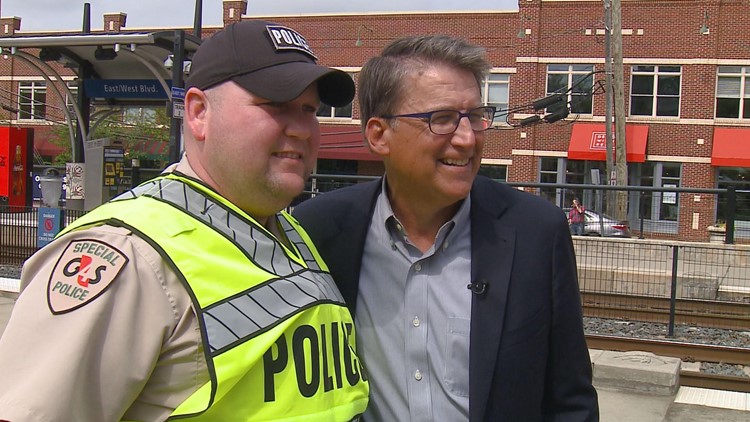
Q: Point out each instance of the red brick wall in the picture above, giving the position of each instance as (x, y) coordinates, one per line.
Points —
(662, 32)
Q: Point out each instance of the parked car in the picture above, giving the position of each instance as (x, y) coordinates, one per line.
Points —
(603, 225)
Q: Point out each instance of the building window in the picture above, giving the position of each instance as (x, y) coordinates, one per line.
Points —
(139, 115)
(495, 172)
(561, 77)
(551, 171)
(32, 100)
(654, 205)
(338, 112)
(655, 91)
(733, 92)
(70, 101)
(327, 111)
(495, 93)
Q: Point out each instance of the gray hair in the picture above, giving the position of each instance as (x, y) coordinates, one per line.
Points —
(382, 77)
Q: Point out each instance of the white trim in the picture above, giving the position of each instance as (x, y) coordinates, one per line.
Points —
(631, 61)
(504, 70)
(564, 154)
(33, 78)
(679, 159)
(537, 153)
(22, 79)
(497, 161)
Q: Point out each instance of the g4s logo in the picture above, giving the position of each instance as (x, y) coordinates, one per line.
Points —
(85, 271)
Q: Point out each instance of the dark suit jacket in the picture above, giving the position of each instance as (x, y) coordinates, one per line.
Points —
(528, 356)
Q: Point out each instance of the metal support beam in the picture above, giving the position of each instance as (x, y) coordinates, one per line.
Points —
(177, 81)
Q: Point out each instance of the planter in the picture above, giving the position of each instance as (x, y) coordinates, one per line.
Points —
(717, 234)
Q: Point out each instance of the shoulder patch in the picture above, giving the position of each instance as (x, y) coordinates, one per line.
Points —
(85, 269)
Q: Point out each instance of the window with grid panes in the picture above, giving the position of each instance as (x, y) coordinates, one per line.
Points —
(32, 100)
(733, 92)
(344, 112)
(655, 91)
(495, 92)
(561, 77)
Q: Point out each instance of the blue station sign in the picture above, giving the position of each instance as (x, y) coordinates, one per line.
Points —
(125, 89)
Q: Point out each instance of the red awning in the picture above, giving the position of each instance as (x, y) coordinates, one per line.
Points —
(731, 147)
(153, 150)
(588, 141)
(344, 143)
(47, 148)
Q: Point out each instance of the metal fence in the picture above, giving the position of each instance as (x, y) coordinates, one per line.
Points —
(699, 271)
(19, 234)
(651, 212)
(637, 268)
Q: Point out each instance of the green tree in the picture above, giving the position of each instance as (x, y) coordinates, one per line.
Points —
(137, 127)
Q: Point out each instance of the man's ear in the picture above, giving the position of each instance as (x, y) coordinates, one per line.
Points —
(196, 108)
(376, 133)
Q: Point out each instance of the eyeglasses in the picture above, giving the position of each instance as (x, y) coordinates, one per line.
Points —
(445, 122)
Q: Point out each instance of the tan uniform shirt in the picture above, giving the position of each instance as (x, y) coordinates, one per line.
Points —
(133, 352)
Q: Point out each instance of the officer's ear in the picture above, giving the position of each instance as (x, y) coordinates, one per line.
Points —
(377, 134)
(196, 110)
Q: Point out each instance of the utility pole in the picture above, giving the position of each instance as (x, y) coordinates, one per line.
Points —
(610, 169)
(621, 168)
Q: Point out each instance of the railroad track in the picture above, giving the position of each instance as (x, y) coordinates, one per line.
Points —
(689, 352)
(702, 313)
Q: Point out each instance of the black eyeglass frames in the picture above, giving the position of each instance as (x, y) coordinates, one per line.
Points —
(445, 122)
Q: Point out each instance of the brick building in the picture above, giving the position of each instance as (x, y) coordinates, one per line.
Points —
(686, 66)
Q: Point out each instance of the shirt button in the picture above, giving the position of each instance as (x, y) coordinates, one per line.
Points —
(415, 321)
(418, 375)
(418, 267)
(445, 245)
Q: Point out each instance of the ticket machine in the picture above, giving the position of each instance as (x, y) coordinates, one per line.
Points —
(105, 171)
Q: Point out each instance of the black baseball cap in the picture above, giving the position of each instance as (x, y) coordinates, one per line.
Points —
(269, 60)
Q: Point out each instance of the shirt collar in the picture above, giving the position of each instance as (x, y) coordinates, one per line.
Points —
(384, 214)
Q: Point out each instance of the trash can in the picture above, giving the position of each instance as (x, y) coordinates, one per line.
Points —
(51, 184)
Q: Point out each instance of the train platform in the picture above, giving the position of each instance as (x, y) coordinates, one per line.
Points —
(632, 386)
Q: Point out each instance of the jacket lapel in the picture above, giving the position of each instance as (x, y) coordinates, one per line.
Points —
(492, 248)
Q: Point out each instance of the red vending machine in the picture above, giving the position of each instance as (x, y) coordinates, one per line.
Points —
(16, 146)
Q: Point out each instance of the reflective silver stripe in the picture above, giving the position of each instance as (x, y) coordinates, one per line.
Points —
(242, 317)
(261, 248)
(239, 318)
(296, 239)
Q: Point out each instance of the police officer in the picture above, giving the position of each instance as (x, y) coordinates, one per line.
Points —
(193, 295)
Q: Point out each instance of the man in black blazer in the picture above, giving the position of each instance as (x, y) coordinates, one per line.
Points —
(450, 274)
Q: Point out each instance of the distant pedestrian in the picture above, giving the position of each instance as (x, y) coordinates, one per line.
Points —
(577, 217)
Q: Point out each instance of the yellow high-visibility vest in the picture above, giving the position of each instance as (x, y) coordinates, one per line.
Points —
(278, 338)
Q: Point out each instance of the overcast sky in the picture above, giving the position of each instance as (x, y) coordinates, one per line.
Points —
(42, 15)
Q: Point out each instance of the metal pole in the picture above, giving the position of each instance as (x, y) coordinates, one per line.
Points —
(177, 81)
(731, 214)
(673, 294)
(640, 213)
(197, 25)
(608, 102)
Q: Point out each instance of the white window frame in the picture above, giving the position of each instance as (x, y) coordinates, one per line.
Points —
(497, 79)
(27, 93)
(338, 113)
(71, 101)
(739, 93)
(573, 73)
(655, 95)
